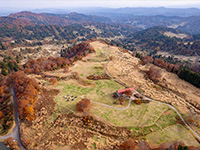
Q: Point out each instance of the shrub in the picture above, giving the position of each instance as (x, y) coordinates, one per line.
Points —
(83, 105)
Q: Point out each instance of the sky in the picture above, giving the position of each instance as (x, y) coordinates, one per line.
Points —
(38, 4)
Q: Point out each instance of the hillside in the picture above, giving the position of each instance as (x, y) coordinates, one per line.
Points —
(192, 26)
(111, 122)
(116, 81)
(187, 24)
(60, 20)
(162, 39)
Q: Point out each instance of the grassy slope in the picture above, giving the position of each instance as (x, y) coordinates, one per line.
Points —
(150, 120)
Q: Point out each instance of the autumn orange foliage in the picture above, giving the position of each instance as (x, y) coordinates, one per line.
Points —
(53, 81)
(6, 107)
(128, 145)
(39, 65)
(73, 54)
(83, 105)
(78, 51)
(27, 91)
(1, 114)
(12, 144)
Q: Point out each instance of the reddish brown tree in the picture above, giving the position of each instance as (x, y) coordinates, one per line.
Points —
(65, 69)
(83, 105)
(121, 100)
(160, 63)
(147, 59)
(111, 58)
(53, 81)
(143, 145)
(154, 74)
(128, 145)
(1, 114)
(128, 93)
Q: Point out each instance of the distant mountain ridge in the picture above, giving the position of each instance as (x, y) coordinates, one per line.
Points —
(186, 24)
(155, 38)
(55, 19)
(137, 11)
(155, 32)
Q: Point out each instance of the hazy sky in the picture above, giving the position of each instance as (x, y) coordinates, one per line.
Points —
(97, 3)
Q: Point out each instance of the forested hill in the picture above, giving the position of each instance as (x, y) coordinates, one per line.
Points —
(57, 19)
(13, 35)
(163, 39)
(19, 27)
(188, 24)
(32, 26)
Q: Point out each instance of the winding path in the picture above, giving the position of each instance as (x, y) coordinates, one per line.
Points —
(113, 106)
(16, 131)
(149, 99)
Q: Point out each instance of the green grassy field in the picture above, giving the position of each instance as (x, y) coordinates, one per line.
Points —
(171, 134)
(101, 92)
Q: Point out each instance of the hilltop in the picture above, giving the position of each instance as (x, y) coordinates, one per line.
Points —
(74, 97)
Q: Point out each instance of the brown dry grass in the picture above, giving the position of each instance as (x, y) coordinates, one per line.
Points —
(128, 70)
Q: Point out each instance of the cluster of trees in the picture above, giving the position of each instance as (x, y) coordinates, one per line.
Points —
(6, 45)
(99, 77)
(53, 81)
(83, 105)
(191, 77)
(121, 100)
(154, 39)
(195, 66)
(69, 32)
(78, 51)
(12, 144)
(183, 73)
(130, 144)
(68, 57)
(9, 55)
(161, 63)
(9, 63)
(6, 106)
(27, 91)
(30, 50)
(42, 64)
(154, 74)
(8, 67)
(2, 46)
(19, 34)
(40, 32)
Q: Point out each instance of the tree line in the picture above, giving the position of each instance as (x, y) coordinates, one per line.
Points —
(183, 73)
